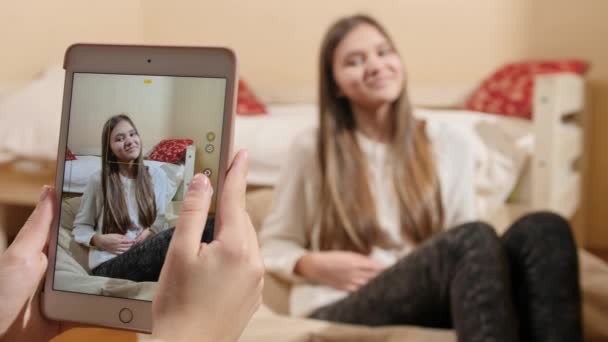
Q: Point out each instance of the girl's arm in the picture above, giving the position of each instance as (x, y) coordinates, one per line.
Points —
(161, 188)
(456, 169)
(285, 233)
(85, 221)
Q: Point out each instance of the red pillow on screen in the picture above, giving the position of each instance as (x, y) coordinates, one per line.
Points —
(69, 155)
(509, 90)
(170, 150)
(247, 103)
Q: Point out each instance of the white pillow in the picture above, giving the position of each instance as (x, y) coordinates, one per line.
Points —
(78, 172)
(30, 118)
(268, 138)
(501, 145)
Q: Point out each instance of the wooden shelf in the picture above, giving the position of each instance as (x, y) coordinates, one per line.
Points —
(23, 188)
(19, 192)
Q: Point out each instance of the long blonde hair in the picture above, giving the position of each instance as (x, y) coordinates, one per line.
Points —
(348, 214)
(116, 218)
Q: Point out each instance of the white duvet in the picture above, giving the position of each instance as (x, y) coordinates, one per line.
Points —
(77, 173)
(502, 145)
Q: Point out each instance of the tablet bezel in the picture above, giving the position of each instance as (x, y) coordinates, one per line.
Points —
(188, 61)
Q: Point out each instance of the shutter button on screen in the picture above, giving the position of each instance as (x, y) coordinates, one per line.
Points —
(125, 315)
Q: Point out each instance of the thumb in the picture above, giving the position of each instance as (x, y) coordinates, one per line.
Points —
(186, 240)
(232, 201)
(35, 232)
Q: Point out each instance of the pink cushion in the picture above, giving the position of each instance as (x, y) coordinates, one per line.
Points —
(69, 155)
(247, 102)
(170, 150)
(508, 91)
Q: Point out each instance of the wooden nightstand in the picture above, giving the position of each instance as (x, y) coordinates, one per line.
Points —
(20, 188)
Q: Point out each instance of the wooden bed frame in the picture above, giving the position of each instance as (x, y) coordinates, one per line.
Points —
(560, 127)
(190, 159)
(554, 179)
(560, 124)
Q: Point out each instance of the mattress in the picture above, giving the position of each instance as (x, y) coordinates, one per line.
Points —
(502, 146)
(78, 172)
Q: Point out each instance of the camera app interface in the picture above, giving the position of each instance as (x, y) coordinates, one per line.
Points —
(134, 143)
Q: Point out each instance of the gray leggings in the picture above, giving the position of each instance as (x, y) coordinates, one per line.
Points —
(144, 261)
(521, 286)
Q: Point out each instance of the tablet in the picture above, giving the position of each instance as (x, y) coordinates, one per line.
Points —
(138, 122)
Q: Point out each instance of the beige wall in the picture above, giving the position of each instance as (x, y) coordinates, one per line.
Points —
(563, 28)
(442, 41)
(35, 33)
(278, 41)
(148, 101)
(198, 108)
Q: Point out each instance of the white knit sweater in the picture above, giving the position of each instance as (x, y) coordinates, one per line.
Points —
(292, 228)
(89, 220)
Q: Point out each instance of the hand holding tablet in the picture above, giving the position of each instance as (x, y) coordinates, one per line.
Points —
(200, 283)
(144, 113)
(213, 289)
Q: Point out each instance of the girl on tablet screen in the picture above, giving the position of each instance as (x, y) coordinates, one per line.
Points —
(123, 207)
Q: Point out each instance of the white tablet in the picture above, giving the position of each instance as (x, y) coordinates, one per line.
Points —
(137, 123)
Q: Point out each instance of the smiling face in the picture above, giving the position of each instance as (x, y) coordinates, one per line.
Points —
(125, 143)
(367, 69)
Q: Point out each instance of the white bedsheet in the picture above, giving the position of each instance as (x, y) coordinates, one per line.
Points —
(502, 145)
(78, 172)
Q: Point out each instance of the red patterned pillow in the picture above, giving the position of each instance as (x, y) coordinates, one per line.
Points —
(247, 103)
(69, 155)
(170, 150)
(509, 90)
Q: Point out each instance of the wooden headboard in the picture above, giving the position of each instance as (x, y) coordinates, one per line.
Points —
(560, 122)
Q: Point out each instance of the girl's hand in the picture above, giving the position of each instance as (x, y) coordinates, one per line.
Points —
(113, 243)
(22, 267)
(208, 292)
(144, 234)
(342, 270)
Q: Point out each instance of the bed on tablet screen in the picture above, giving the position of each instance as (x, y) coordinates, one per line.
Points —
(72, 257)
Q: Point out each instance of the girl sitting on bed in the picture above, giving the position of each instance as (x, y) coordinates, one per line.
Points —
(361, 211)
(123, 207)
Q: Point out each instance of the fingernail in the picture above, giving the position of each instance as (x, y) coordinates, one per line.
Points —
(44, 193)
(200, 182)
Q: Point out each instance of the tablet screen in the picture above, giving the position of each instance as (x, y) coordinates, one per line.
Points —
(134, 143)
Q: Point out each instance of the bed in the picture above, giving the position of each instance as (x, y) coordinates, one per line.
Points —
(530, 174)
(520, 164)
(72, 271)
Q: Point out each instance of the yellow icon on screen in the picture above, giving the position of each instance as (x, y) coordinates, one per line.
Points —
(147, 81)
(210, 136)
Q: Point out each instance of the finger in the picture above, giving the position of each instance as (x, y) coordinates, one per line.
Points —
(186, 239)
(232, 201)
(362, 279)
(372, 265)
(35, 232)
(350, 288)
(367, 274)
